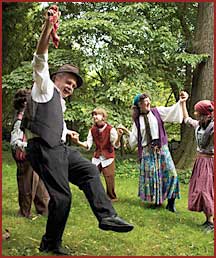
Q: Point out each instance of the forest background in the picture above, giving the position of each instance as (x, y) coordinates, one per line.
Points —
(122, 49)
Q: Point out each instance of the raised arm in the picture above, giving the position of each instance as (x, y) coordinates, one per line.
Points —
(43, 43)
(43, 87)
(183, 99)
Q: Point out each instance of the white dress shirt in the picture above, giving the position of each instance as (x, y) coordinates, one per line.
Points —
(43, 87)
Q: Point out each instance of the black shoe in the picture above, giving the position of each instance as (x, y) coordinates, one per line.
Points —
(46, 247)
(209, 227)
(115, 223)
(56, 250)
(171, 205)
(204, 224)
(61, 251)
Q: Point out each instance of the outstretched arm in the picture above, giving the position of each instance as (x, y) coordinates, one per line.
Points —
(173, 113)
(75, 139)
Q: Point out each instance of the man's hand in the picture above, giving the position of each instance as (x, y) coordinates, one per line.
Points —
(183, 96)
(75, 139)
(74, 136)
(53, 14)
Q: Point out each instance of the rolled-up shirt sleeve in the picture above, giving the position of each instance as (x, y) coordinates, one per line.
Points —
(89, 140)
(114, 137)
(43, 87)
(17, 136)
(192, 122)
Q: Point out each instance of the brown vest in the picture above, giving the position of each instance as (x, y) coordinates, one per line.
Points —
(102, 142)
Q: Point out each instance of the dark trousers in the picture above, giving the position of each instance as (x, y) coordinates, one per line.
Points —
(57, 167)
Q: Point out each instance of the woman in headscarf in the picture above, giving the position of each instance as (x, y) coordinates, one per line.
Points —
(158, 178)
(201, 186)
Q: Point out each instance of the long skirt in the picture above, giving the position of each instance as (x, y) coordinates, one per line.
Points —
(201, 186)
(158, 178)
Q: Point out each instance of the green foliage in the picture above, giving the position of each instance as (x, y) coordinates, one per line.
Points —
(184, 175)
(192, 59)
(173, 131)
(127, 168)
(121, 48)
(6, 146)
(19, 78)
(20, 27)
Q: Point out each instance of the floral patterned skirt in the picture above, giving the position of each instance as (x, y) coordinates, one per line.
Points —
(158, 179)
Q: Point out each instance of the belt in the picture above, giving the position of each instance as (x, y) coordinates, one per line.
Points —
(40, 140)
(205, 155)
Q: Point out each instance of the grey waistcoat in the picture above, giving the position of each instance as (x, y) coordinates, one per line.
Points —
(45, 119)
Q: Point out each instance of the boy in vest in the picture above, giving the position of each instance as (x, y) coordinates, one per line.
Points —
(56, 163)
(30, 187)
(105, 138)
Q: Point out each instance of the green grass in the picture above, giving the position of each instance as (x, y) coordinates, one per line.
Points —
(157, 232)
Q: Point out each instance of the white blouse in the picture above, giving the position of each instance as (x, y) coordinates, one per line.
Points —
(168, 114)
(199, 133)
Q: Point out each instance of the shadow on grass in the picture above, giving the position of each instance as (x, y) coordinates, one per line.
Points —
(150, 212)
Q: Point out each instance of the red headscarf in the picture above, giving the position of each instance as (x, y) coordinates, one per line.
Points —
(204, 107)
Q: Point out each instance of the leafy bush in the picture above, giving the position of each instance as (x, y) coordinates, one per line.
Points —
(184, 176)
(6, 146)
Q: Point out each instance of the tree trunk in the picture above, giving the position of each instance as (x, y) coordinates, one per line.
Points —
(202, 81)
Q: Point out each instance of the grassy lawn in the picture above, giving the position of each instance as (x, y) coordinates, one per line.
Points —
(157, 232)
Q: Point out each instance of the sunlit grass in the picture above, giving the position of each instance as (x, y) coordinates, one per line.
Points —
(157, 232)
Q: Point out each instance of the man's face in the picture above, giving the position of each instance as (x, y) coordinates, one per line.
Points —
(98, 118)
(144, 105)
(66, 83)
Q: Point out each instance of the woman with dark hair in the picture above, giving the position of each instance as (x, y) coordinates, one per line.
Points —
(158, 178)
(201, 186)
(30, 186)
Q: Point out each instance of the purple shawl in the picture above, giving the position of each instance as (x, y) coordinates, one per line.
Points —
(162, 133)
